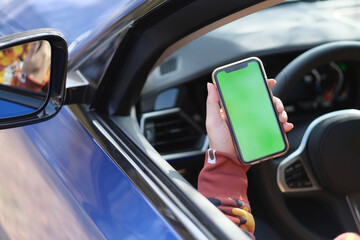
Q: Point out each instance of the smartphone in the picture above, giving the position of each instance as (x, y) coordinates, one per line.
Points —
(251, 115)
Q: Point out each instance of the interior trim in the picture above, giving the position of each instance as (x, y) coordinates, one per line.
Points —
(232, 17)
(175, 156)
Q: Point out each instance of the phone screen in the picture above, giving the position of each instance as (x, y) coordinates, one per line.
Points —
(250, 111)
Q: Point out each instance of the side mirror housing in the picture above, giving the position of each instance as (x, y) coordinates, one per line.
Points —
(33, 67)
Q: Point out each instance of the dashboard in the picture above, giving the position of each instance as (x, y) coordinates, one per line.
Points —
(171, 110)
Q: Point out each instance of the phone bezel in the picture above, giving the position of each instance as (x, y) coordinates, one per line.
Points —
(228, 120)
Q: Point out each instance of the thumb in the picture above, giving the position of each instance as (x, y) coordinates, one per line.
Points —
(33, 47)
(213, 116)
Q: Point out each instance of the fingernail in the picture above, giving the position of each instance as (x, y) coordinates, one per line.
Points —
(209, 86)
(284, 115)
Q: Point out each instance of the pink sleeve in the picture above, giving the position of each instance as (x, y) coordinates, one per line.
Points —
(224, 182)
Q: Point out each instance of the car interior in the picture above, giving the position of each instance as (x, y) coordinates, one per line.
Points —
(171, 109)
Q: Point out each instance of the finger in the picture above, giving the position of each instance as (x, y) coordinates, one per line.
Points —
(288, 126)
(33, 47)
(45, 47)
(271, 82)
(278, 104)
(212, 106)
(283, 117)
(44, 52)
(222, 113)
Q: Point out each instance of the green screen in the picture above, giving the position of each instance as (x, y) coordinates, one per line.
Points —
(250, 110)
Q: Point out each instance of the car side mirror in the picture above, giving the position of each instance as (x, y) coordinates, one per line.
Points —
(33, 68)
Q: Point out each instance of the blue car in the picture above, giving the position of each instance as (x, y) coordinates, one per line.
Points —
(108, 142)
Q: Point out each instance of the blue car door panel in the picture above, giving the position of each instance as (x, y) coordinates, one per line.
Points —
(56, 182)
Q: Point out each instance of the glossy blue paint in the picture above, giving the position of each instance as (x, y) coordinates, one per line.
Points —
(75, 19)
(104, 200)
(10, 109)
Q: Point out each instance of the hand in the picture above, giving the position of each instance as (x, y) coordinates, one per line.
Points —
(217, 128)
(37, 61)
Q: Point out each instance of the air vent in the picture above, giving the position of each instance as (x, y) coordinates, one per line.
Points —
(173, 133)
(168, 66)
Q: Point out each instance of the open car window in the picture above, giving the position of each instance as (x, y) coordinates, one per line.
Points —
(171, 109)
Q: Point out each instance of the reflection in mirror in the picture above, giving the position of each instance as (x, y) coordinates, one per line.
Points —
(24, 78)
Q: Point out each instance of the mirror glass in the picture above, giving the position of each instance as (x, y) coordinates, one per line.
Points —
(24, 78)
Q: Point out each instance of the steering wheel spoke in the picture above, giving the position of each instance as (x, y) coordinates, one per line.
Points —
(295, 176)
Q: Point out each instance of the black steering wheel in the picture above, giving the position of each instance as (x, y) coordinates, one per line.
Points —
(326, 165)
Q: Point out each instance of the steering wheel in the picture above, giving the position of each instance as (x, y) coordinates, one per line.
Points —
(326, 165)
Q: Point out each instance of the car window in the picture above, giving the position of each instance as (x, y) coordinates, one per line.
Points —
(172, 104)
